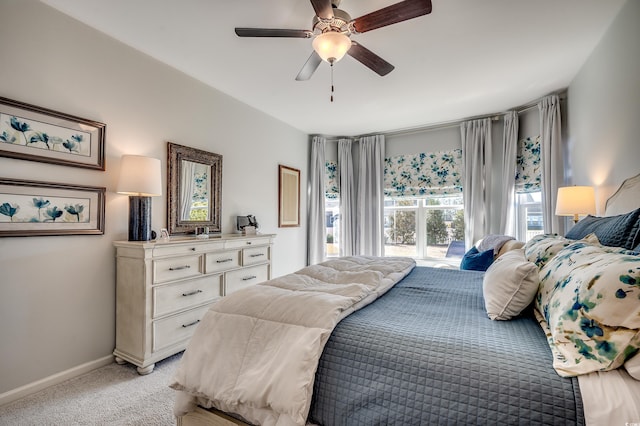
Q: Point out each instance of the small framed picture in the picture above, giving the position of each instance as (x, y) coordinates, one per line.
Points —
(164, 234)
(289, 197)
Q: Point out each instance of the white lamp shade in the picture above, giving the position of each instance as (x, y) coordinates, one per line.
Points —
(331, 46)
(140, 176)
(576, 200)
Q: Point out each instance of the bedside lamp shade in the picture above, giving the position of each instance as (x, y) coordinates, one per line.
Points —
(140, 178)
(575, 201)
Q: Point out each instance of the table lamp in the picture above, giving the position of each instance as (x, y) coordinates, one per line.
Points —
(575, 201)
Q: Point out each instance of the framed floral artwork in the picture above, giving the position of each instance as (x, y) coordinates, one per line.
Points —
(29, 132)
(31, 208)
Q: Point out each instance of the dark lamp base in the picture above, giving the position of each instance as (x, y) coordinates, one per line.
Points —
(139, 218)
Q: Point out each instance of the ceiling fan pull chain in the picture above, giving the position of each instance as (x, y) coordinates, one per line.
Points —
(331, 81)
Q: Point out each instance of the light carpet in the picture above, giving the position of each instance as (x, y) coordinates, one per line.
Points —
(111, 395)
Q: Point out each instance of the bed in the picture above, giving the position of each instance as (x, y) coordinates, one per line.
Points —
(426, 352)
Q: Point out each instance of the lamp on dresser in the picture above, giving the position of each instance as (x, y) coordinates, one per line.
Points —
(576, 201)
(140, 178)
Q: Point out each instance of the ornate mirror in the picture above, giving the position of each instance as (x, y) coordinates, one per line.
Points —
(194, 193)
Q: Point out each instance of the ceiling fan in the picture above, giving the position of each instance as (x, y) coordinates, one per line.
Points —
(333, 27)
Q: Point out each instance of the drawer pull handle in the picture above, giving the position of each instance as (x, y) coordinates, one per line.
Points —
(190, 324)
(223, 260)
(178, 268)
(192, 249)
(252, 277)
(191, 293)
(257, 255)
(248, 243)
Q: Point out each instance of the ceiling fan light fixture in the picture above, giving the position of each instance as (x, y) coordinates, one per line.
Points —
(331, 46)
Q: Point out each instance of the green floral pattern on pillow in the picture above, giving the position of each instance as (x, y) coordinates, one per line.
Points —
(588, 303)
(541, 248)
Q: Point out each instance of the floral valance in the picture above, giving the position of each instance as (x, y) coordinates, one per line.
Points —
(420, 175)
(528, 171)
(331, 188)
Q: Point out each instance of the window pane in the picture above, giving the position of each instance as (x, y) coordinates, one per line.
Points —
(332, 223)
(529, 215)
(400, 228)
(400, 203)
(444, 226)
(423, 228)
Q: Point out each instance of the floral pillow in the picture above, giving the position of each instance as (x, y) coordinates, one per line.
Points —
(541, 248)
(588, 303)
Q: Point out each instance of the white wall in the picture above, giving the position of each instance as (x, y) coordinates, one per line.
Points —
(57, 303)
(604, 109)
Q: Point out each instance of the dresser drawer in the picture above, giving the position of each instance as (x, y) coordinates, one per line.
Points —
(251, 256)
(223, 261)
(187, 248)
(179, 296)
(241, 278)
(172, 330)
(170, 269)
(241, 243)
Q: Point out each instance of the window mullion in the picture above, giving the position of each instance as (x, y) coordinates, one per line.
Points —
(421, 230)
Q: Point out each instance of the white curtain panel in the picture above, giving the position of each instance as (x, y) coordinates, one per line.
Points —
(370, 196)
(347, 236)
(188, 188)
(507, 183)
(476, 157)
(551, 159)
(317, 230)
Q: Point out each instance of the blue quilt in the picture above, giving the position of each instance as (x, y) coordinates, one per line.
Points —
(426, 354)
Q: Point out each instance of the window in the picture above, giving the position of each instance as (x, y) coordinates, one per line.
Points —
(423, 205)
(422, 228)
(332, 223)
(332, 208)
(529, 221)
(528, 200)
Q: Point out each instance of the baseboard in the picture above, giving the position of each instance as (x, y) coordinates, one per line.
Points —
(39, 385)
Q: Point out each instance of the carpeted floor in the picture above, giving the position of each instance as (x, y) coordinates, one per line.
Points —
(111, 395)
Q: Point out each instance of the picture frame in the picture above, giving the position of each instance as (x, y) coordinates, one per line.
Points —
(288, 197)
(32, 208)
(29, 132)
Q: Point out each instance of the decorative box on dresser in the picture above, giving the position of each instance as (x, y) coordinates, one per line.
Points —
(163, 288)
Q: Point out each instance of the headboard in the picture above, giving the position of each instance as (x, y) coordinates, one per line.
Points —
(625, 199)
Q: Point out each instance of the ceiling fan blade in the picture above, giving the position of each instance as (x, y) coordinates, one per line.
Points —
(393, 14)
(369, 59)
(272, 32)
(323, 8)
(309, 67)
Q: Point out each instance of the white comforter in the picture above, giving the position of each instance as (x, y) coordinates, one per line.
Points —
(256, 351)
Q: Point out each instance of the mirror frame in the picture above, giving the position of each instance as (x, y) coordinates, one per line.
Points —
(175, 155)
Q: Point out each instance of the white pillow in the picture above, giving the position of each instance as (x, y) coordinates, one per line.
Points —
(632, 365)
(510, 285)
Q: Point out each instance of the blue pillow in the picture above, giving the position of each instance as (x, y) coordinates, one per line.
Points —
(474, 260)
(615, 231)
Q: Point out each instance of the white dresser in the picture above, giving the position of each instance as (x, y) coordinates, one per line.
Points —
(163, 288)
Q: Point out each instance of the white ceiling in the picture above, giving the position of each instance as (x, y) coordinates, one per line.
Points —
(466, 58)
